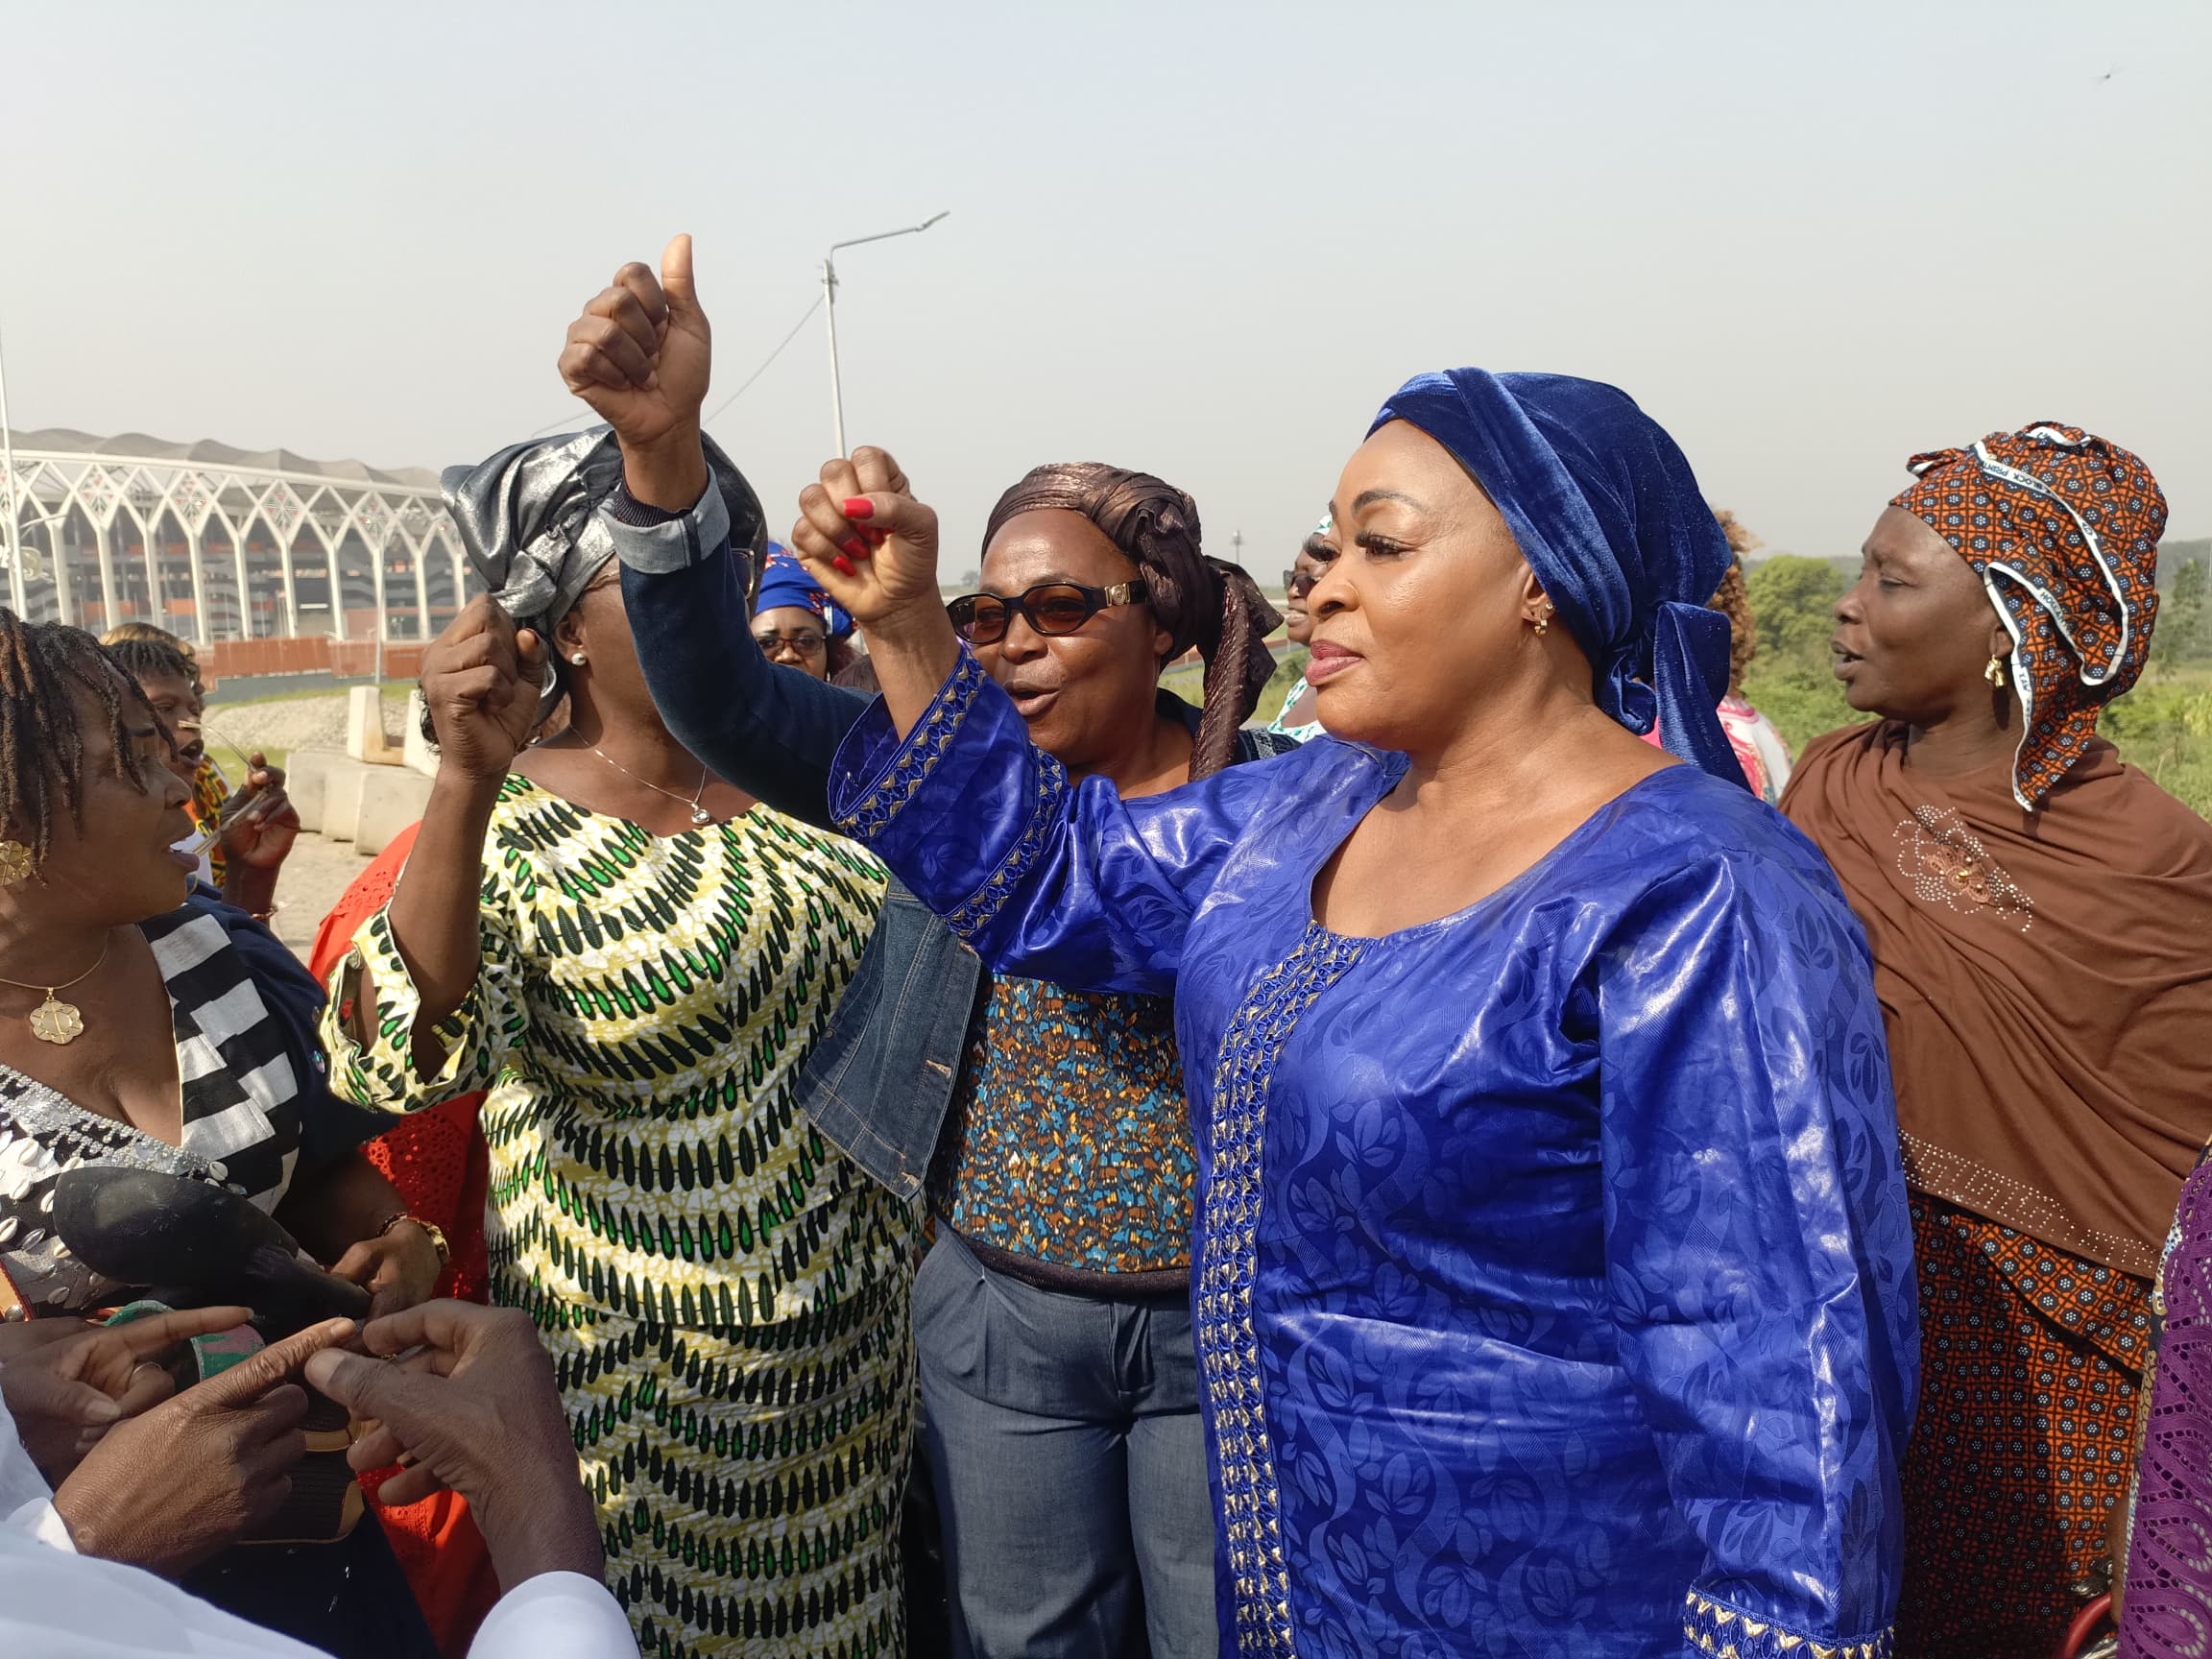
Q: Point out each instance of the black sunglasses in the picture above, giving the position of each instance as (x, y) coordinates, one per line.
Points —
(1051, 608)
(1297, 583)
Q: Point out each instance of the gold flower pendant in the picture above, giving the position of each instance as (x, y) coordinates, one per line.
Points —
(57, 1022)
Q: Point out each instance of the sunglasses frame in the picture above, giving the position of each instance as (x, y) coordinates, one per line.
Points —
(1097, 599)
(769, 643)
(1298, 584)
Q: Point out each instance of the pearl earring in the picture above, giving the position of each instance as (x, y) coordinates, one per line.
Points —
(578, 659)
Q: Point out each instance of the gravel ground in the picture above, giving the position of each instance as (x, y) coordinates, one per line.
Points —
(287, 724)
(313, 879)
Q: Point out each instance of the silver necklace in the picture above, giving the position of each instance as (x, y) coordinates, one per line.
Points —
(699, 814)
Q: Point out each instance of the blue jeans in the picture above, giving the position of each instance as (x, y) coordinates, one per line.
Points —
(1069, 1463)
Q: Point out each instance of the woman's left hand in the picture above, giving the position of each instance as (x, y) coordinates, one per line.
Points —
(260, 834)
(399, 1269)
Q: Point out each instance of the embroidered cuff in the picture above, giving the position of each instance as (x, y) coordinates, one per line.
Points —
(1048, 796)
(668, 541)
(866, 811)
(1710, 1627)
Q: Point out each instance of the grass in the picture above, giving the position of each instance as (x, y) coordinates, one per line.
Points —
(1189, 683)
(392, 691)
(2163, 727)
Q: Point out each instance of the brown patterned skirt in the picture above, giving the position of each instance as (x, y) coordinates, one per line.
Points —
(2031, 1361)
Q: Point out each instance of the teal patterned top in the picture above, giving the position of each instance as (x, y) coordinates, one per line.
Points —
(1069, 1143)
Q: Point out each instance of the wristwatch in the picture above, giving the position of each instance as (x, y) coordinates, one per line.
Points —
(436, 1235)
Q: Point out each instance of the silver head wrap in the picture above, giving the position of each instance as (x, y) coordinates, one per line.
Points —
(529, 517)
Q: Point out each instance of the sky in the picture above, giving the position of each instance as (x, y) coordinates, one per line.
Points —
(1200, 239)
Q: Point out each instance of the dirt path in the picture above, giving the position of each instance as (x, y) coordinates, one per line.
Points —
(314, 878)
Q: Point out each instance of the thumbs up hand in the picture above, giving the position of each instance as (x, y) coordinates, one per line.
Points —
(642, 353)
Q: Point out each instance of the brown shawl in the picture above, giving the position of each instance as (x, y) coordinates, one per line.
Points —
(2046, 981)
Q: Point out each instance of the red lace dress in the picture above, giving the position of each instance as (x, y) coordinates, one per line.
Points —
(438, 1161)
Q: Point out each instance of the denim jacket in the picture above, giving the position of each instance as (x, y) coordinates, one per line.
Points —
(880, 1081)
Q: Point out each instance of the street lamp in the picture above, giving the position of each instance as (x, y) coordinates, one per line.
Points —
(830, 294)
(14, 548)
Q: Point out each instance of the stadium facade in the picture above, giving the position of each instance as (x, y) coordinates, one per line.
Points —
(226, 546)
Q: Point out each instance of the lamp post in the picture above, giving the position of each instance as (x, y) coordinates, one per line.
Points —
(13, 545)
(830, 297)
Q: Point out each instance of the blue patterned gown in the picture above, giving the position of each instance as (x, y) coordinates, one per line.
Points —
(1553, 1274)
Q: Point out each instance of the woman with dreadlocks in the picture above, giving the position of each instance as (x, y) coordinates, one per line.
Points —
(144, 1023)
(1044, 1127)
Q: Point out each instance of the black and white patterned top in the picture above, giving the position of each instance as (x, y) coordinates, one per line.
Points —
(241, 1091)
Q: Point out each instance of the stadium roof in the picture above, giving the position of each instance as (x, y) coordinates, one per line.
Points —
(138, 447)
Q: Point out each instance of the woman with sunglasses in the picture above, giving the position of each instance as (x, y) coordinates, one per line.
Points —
(1554, 1281)
(1044, 1127)
(1298, 719)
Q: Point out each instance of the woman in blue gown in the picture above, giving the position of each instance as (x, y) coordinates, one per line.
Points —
(1553, 1279)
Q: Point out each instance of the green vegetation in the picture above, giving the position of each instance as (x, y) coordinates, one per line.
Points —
(1277, 689)
(2164, 726)
(253, 696)
(1791, 679)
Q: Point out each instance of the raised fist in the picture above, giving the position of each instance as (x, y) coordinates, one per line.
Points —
(641, 351)
(868, 542)
(481, 680)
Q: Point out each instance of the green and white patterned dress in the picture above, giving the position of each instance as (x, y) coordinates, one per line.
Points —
(724, 1294)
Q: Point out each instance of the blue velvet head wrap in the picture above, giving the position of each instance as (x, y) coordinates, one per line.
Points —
(1605, 508)
(785, 584)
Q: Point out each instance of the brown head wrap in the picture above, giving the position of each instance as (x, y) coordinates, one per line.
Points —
(1200, 602)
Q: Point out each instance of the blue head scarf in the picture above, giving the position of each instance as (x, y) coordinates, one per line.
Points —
(1605, 508)
(785, 582)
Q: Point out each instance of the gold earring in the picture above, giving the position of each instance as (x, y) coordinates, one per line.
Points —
(15, 863)
(1543, 623)
(1995, 672)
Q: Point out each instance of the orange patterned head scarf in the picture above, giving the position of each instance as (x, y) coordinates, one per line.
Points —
(2063, 530)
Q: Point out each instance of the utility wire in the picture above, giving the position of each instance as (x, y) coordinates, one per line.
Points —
(747, 385)
(764, 362)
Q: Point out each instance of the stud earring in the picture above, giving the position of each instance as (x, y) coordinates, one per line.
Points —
(1995, 672)
(578, 659)
(15, 863)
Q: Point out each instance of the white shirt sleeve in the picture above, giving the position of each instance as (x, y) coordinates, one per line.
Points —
(26, 1505)
(556, 1616)
(58, 1604)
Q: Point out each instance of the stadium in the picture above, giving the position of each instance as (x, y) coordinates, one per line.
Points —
(268, 561)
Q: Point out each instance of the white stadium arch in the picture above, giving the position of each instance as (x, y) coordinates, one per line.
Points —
(219, 545)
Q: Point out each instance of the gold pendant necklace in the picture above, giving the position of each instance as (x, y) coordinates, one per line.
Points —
(55, 1020)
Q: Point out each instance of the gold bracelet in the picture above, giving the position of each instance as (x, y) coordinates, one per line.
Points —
(436, 1235)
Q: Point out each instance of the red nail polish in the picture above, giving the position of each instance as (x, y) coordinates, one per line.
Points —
(860, 507)
(856, 547)
(875, 538)
(844, 566)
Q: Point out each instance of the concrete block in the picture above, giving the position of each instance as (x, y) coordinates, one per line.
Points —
(416, 754)
(392, 798)
(342, 799)
(365, 728)
(307, 777)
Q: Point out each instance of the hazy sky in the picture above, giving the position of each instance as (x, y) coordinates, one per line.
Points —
(1200, 239)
